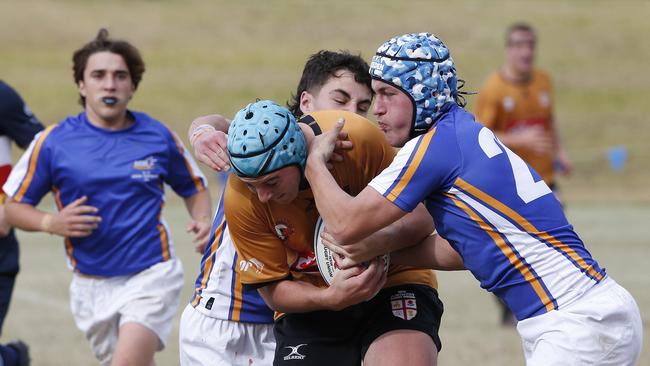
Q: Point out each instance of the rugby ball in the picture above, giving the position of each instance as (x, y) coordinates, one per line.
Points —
(325, 257)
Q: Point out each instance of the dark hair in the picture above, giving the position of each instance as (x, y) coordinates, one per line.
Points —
(102, 43)
(321, 66)
(519, 27)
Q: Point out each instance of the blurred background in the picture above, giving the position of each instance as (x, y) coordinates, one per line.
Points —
(215, 56)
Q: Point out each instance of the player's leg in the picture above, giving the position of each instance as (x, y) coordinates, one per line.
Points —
(136, 345)
(95, 314)
(8, 272)
(319, 338)
(402, 347)
(403, 327)
(149, 301)
(6, 290)
(602, 327)
(209, 341)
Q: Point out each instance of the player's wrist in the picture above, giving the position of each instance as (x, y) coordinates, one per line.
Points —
(46, 223)
(199, 130)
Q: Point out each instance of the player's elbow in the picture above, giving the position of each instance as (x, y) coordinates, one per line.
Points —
(343, 234)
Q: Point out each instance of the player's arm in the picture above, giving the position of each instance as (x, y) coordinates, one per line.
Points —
(349, 287)
(349, 219)
(433, 252)
(199, 207)
(75, 220)
(209, 139)
(409, 230)
(560, 155)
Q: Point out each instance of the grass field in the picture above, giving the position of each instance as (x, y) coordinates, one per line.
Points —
(215, 56)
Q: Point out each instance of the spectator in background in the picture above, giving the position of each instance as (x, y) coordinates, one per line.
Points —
(17, 124)
(516, 102)
(106, 167)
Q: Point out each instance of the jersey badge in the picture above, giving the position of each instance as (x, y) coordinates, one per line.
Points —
(283, 230)
(145, 169)
(544, 99)
(403, 305)
(508, 104)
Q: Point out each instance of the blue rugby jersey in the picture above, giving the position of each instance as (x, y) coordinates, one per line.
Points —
(495, 211)
(218, 291)
(122, 173)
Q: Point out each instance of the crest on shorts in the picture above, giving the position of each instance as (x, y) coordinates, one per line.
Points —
(403, 305)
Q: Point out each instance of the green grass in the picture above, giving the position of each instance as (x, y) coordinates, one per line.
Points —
(215, 56)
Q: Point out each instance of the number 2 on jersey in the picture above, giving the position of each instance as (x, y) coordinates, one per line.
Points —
(527, 189)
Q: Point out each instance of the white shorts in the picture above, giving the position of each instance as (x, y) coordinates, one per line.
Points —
(209, 341)
(100, 305)
(603, 327)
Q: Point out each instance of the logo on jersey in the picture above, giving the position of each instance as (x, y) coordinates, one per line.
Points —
(252, 263)
(508, 104)
(403, 305)
(145, 168)
(544, 99)
(283, 230)
(294, 354)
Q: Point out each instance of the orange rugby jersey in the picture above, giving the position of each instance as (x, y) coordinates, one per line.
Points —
(504, 106)
(275, 241)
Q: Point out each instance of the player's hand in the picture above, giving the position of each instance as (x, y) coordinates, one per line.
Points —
(342, 145)
(355, 285)
(349, 255)
(75, 220)
(211, 148)
(201, 230)
(322, 147)
(535, 139)
(564, 163)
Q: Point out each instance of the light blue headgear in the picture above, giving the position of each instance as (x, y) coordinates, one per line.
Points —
(264, 137)
(420, 65)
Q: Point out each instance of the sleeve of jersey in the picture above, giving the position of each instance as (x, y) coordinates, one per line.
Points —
(18, 121)
(486, 109)
(21, 126)
(30, 179)
(426, 164)
(262, 256)
(184, 175)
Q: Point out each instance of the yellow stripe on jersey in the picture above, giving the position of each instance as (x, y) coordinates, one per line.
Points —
(210, 261)
(195, 178)
(32, 164)
(510, 213)
(69, 249)
(165, 242)
(509, 253)
(237, 296)
(413, 166)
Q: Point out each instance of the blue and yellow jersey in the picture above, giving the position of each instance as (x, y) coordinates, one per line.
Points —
(218, 291)
(495, 211)
(122, 173)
